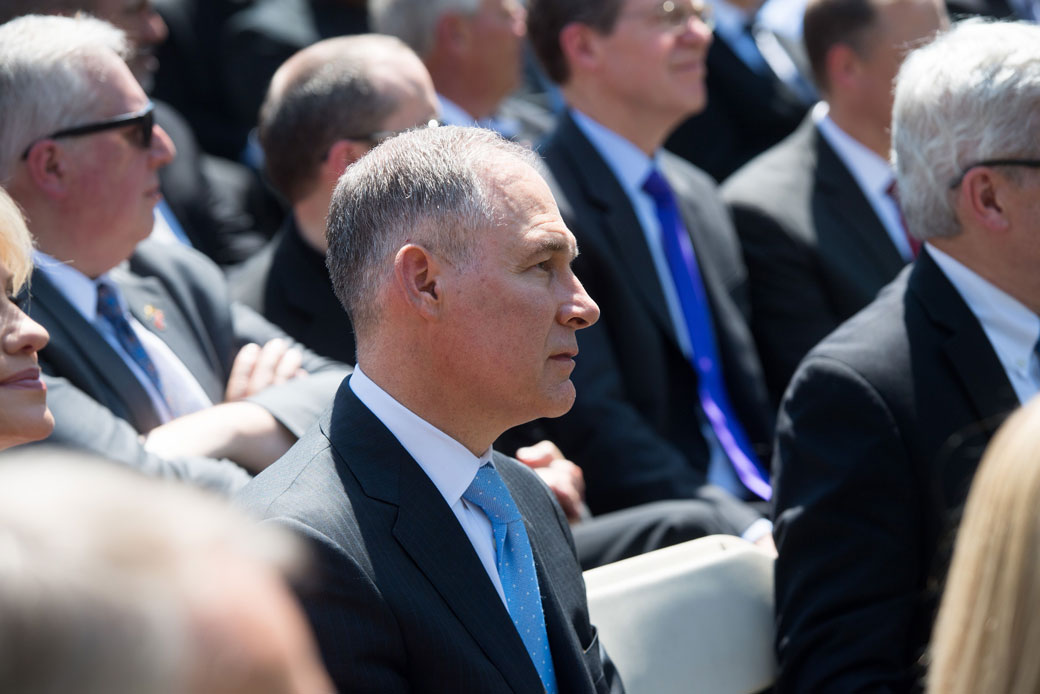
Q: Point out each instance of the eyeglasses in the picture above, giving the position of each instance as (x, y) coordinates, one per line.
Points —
(143, 121)
(381, 136)
(675, 15)
(1030, 163)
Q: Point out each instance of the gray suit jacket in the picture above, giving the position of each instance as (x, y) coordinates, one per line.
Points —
(401, 602)
(815, 250)
(92, 386)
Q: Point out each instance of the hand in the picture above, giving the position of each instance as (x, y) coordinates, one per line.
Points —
(256, 368)
(766, 542)
(563, 477)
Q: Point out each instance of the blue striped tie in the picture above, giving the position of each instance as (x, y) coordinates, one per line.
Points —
(109, 309)
(515, 568)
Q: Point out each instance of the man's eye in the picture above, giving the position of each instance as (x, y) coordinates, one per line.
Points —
(545, 265)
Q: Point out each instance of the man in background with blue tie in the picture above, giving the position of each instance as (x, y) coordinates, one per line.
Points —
(671, 402)
(443, 565)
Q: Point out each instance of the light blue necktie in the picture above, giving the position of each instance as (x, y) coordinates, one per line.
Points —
(515, 567)
(109, 309)
(682, 264)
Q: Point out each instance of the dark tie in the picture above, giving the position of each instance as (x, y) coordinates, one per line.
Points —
(108, 308)
(893, 192)
(686, 276)
(515, 568)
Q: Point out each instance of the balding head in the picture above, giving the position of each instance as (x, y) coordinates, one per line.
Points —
(345, 88)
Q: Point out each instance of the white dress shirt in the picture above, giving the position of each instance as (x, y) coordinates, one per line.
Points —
(872, 173)
(183, 393)
(448, 464)
(1011, 328)
(453, 114)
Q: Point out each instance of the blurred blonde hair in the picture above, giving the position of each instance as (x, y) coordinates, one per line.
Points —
(988, 630)
(15, 242)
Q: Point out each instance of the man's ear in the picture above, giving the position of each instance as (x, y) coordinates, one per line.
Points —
(341, 155)
(980, 197)
(453, 33)
(419, 277)
(581, 46)
(842, 66)
(49, 168)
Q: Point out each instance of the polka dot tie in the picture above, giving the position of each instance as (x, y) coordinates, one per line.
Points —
(515, 567)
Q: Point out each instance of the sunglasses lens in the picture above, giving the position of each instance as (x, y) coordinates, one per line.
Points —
(147, 126)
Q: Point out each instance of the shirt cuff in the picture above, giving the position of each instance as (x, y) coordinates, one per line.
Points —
(757, 530)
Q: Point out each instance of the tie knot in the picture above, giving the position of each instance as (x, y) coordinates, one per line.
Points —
(489, 492)
(656, 187)
(108, 302)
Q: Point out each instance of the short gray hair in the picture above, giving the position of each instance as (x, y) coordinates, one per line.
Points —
(322, 94)
(415, 21)
(432, 186)
(48, 76)
(98, 566)
(971, 94)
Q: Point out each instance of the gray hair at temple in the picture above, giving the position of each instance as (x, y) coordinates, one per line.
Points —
(48, 71)
(415, 21)
(435, 187)
(970, 95)
(102, 572)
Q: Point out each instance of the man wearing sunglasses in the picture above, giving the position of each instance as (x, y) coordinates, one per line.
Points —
(152, 347)
(885, 420)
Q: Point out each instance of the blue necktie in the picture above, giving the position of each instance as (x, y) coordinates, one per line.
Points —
(686, 276)
(515, 567)
(109, 309)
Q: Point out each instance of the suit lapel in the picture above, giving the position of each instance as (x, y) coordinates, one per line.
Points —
(971, 356)
(77, 351)
(860, 230)
(623, 230)
(152, 306)
(428, 531)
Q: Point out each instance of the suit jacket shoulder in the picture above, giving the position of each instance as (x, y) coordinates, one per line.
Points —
(397, 578)
(880, 434)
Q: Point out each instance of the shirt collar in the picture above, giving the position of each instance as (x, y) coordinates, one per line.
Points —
(78, 289)
(730, 20)
(453, 114)
(628, 163)
(448, 464)
(1012, 328)
(870, 171)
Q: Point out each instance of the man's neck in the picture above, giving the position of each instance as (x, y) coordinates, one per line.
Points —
(645, 130)
(858, 126)
(310, 216)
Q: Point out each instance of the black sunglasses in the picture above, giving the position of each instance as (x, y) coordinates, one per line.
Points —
(143, 120)
(1029, 163)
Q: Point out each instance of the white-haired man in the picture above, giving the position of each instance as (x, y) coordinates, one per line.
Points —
(156, 343)
(446, 567)
(886, 419)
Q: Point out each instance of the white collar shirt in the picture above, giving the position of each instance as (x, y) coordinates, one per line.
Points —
(449, 465)
(872, 173)
(1012, 329)
(182, 391)
(453, 114)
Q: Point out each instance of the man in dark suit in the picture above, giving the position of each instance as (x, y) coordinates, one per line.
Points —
(818, 222)
(446, 566)
(757, 93)
(630, 72)
(154, 341)
(474, 52)
(885, 420)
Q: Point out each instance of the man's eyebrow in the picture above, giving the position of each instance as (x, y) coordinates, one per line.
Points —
(554, 244)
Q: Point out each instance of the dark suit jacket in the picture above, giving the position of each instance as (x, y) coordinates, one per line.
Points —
(200, 325)
(878, 439)
(746, 114)
(289, 284)
(816, 252)
(403, 604)
(634, 426)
